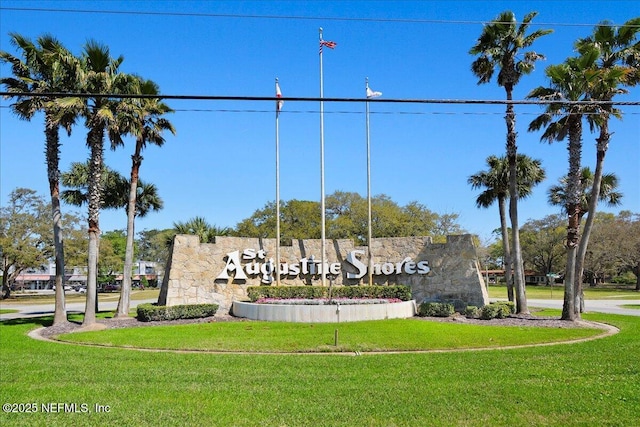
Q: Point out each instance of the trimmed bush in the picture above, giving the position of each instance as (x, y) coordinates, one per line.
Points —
(497, 310)
(435, 309)
(400, 292)
(471, 311)
(151, 312)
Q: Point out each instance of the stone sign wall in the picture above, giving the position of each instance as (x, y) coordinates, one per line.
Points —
(221, 272)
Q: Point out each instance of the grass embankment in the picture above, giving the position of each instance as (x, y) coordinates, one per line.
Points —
(591, 383)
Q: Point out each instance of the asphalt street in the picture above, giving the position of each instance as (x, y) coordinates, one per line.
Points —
(36, 310)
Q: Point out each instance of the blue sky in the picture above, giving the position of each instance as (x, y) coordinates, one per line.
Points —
(221, 163)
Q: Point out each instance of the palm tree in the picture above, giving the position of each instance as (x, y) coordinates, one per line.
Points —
(619, 60)
(40, 71)
(557, 194)
(570, 81)
(115, 194)
(496, 182)
(608, 195)
(97, 75)
(140, 118)
(500, 46)
(76, 180)
(201, 228)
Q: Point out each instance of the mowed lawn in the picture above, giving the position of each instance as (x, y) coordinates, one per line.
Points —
(594, 383)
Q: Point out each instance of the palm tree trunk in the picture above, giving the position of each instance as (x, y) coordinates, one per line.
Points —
(508, 266)
(125, 290)
(53, 159)
(95, 141)
(601, 151)
(516, 252)
(569, 311)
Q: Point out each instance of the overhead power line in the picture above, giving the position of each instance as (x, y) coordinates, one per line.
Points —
(318, 99)
(290, 17)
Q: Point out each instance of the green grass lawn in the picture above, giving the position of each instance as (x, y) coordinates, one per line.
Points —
(635, 306)
(372, 336)
(7, 310)
(557, 292)
(594, 383)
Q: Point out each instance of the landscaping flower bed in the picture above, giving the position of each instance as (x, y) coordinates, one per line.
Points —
(326, 301)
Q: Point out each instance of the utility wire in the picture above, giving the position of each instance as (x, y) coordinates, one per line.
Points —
(318, 99)
(293, 17)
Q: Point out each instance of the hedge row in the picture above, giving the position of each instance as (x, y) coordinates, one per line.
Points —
(151, 312)
(313, 292)
(494, 310)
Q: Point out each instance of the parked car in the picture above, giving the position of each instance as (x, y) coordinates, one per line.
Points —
(81, 289)
(111, 287)
(66, 287)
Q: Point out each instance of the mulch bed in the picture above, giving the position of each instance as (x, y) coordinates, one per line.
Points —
(130, 322)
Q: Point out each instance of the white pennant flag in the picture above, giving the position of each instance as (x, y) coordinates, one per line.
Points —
(373, 94)
(279, 103)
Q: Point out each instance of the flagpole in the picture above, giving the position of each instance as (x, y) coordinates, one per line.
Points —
(277, 266)
(369, 233)
(322, 207)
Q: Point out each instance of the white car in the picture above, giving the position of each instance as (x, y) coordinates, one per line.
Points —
(66, 288)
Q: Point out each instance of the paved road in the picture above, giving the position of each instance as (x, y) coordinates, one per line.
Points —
(612, 306)
(36, 310)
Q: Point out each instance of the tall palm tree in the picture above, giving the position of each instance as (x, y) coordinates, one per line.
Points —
(496, 184)
(97, 75)
(43, 70)
(139, 117)
(500, 46)
(570, 81)
(619, 63)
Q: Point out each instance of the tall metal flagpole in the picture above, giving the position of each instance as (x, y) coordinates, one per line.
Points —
(277, 263)
(322, 208)
(370, 94)
(370, 263)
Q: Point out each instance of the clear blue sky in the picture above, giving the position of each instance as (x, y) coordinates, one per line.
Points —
(221, 165)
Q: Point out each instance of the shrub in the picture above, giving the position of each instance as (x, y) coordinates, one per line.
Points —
(471, 311)
(627, 278)
(151, 312)
(435, 309)
(400, 292)
(497, 310)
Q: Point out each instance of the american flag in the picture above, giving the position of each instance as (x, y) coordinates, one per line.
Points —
(328, 44)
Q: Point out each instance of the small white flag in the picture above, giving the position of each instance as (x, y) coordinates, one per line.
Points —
(373, 94)
(279, 103)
